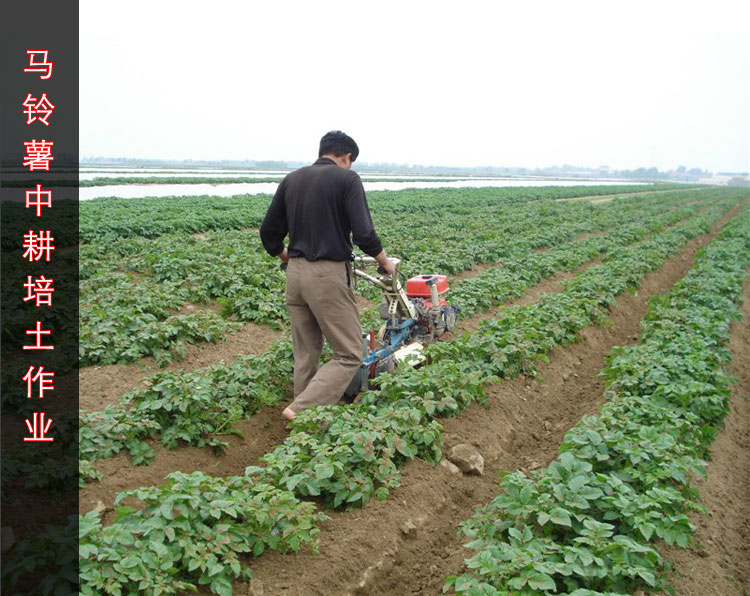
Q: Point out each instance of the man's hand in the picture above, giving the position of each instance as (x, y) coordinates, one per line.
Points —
(284, 256)
(385, 263)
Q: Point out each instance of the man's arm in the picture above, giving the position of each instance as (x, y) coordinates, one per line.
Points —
(385, 262)
(274, 228)
(360, 220)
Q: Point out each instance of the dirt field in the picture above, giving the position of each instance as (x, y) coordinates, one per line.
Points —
(365, 551)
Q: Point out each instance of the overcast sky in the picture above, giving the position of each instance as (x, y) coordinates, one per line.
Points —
(527, 84)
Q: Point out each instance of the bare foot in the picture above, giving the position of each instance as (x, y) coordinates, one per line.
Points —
(288, 413)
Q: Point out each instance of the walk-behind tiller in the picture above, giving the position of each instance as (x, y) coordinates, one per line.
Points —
(413, 318)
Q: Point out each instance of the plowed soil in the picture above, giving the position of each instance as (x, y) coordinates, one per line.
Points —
(719, 561)
(101, 386)
(262, 431)
(365, 551)
(604, 198)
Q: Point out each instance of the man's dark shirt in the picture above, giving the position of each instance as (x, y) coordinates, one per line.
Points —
(319, 206)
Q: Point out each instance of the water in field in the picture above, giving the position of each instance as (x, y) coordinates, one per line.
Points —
(105, 171)
(131, 191)
(84, 175)
(89, 173)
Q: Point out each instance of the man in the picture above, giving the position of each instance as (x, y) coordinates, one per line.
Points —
(319, 206)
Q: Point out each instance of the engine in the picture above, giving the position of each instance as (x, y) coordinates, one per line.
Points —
(427, 293)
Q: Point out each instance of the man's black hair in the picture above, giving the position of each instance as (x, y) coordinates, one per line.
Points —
(338, 143)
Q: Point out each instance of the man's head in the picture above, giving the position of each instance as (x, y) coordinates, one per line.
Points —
(339, 146)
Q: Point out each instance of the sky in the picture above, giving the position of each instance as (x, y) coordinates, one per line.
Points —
(490, 83)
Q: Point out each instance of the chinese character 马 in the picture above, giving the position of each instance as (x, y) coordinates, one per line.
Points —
(45, 66)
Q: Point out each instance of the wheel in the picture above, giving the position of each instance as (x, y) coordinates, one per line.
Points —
(449, 318)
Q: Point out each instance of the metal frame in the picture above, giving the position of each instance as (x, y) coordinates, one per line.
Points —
(392, 289)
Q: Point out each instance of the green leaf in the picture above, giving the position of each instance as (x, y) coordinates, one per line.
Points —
(123, 511)
(338, 499)
(560, 517)
(259, 548)
(648, 577)
(577, 483)
(129, 561)
(323, 471)
(541, 581)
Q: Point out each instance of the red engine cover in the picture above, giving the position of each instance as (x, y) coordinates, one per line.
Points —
(417, 287)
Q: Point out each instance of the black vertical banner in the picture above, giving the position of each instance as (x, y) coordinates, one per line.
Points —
(39, 308)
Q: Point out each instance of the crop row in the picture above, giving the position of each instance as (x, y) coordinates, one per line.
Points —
(346, 455)
(150, 217)
(182, 405)
(497, 285)
(132, 289)
(587, 523)
(398, 420)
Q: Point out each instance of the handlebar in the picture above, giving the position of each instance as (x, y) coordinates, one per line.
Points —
(363, 261)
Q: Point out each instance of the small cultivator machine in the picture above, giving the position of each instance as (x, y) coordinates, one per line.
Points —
(414, 316)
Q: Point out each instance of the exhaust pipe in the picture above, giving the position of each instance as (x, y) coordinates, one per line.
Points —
(435, 313)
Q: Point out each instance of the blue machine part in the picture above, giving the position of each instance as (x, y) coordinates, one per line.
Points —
(398, 338)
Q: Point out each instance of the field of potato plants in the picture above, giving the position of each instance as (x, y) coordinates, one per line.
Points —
(600, 349)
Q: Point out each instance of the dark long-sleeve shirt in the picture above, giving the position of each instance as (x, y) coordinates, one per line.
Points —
(320, 207)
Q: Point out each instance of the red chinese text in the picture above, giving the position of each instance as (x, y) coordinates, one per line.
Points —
(43, 199)
(38, 428)
(43, 378)
(39, 289)
(39, 62)
(38, 245)
(38, 332)
(38, 155)
(38, 109)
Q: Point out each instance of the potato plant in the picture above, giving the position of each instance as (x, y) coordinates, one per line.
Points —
(588, 522)
(151, 412)
(133, 289)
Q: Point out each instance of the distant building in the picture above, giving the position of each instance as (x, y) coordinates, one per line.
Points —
(716, 180)
(740, 181)
(736, 178)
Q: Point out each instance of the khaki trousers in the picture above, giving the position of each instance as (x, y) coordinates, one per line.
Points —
(321, 304)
